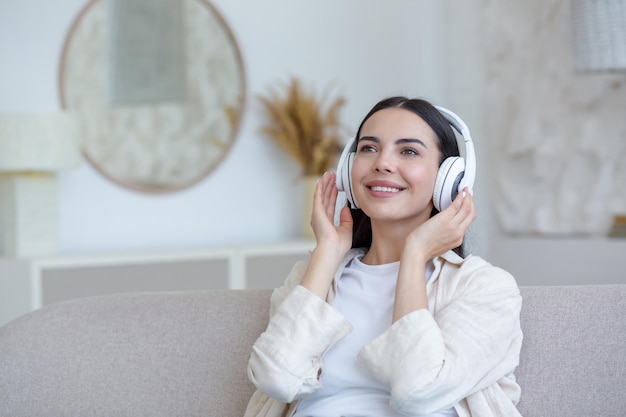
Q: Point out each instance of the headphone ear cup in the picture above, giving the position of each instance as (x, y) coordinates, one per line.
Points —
(447, 183)
(344, 171)
(347, 180)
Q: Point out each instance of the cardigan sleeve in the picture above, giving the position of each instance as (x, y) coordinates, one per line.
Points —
(286, 359)
(431, 362)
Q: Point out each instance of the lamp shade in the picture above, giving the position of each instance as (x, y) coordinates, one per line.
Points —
(599, 35)
(38, 141)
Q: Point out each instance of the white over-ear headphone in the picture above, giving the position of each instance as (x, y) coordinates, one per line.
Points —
(455, 173)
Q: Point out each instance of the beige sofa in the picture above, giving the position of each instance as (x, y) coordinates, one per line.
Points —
(185, 354)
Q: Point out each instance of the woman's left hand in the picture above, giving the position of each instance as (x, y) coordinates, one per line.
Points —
(445, 230)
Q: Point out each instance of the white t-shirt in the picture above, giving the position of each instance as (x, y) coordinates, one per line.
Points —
(365, 296)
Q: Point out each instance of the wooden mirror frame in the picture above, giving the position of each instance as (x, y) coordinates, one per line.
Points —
(160, 147)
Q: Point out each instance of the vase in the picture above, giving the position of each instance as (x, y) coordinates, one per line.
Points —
(309, 182)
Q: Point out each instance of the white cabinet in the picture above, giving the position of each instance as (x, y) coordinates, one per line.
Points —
(28, 284)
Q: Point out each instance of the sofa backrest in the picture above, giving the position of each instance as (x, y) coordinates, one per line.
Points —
(573, 360)
(157, 354)
(185, 354)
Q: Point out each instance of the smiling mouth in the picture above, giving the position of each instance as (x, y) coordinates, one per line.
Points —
(385, 189)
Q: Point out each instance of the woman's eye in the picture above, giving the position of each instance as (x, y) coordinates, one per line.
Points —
(409, 151)
(367, 148)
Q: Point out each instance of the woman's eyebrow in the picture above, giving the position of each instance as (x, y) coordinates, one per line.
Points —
(411, 140)
(397, 142)
(369, 138)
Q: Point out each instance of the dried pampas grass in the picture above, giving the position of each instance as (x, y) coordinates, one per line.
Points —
(308, 129)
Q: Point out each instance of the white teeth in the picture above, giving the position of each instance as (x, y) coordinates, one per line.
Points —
(385, 189)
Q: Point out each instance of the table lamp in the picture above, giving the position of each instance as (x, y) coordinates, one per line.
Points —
(33, 148)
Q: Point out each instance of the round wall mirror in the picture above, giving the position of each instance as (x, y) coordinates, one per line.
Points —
(167, 135)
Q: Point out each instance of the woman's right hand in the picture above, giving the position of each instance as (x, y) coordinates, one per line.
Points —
(333, 241)
(323, 216)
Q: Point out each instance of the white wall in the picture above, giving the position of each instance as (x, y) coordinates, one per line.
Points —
(560, 156)
(368, 48)
(463, 72)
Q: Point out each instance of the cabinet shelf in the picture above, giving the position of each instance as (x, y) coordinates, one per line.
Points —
(29, 284)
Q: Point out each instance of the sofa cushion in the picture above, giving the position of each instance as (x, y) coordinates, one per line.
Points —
(573, 360)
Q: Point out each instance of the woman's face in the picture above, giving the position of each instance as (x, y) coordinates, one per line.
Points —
(396, 166)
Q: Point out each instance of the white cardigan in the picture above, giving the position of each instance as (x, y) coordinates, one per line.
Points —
(459, 353)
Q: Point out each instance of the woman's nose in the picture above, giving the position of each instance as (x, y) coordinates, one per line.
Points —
(384, 163)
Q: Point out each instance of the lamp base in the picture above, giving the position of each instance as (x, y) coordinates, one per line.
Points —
(29, 214)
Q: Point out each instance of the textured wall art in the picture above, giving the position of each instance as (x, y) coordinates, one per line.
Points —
(558, 137)
(156, 146)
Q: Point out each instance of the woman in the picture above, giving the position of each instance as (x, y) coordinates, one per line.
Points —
(387, 318)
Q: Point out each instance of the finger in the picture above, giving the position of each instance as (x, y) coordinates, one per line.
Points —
(467, 205)
(467, 212)
(458, 211)
(318, 195)
(326, 196)
(330, 208)
(460, 199)
(453, 208)
(320, 198)
(345, 218)
(463, 201)
(329, 190)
